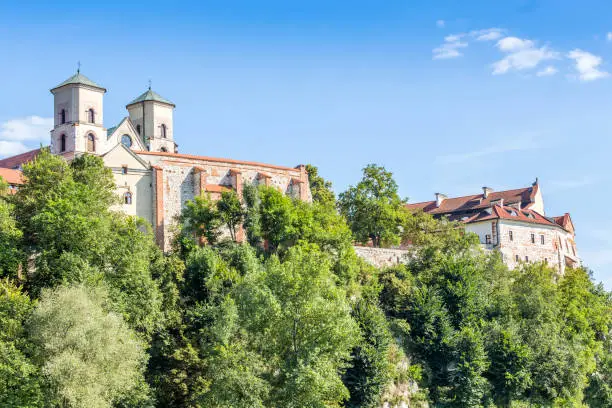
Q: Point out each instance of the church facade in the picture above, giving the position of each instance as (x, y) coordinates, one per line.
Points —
(153, 179)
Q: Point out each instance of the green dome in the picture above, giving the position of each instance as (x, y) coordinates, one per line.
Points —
(79, 79)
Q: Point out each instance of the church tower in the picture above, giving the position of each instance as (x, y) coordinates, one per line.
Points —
(152, 116)
(78, 117)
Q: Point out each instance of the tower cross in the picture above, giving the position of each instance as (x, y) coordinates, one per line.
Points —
(79, 67)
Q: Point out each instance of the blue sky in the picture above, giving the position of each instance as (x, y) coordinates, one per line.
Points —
(448, 95)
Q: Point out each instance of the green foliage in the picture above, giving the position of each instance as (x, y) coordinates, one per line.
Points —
(89, 357)
(373, 208)
(20, 384)
(201, 219)
(370, 371)
(291, 317)
(231, 212)
(11, 255)
(320, 188)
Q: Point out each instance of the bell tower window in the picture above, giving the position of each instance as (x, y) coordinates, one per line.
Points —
(91, 116)
(91, 143)
(127, 198)
(163, 131)
(63, 116)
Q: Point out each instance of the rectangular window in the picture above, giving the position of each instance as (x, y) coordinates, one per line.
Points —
(487, 239)
(526, 258)
(533, 238)
(545, 260)
(124, 170)
(510, 235)
(516, 258)
(542, 239)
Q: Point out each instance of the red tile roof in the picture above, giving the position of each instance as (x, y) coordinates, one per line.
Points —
(477, 201)
(11, 176)
(15, 162)
(213, 159)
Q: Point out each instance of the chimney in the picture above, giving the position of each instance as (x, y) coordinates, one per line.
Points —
(486, 191)
(440, 198)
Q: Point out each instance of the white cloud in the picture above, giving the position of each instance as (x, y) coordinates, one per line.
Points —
(11, 148)
(587, 65)
(522, 55)
(440, 23)
(609, 36)
(29, 128)
(548, 71)
(450, 48)
(520, 143)
(488, 34)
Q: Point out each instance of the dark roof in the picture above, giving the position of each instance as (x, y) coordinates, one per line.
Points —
(80, 79)
(524, 196)
(149, 95)
(16, 162)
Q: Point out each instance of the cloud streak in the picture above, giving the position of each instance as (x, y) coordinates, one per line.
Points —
(527, 142)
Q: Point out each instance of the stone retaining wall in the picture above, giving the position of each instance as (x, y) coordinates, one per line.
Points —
(382, 257)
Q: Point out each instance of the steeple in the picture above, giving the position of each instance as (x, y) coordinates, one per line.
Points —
(152, 115)
(78, 116)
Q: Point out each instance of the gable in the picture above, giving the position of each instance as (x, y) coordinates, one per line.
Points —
(120, 156)
(126, 128)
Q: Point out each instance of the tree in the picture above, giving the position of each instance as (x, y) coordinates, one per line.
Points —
(10, 237)
(201, 219)
(231, 212)
(89, 357)
(300, 320)
(373, 208)
(20, 384)
(320, 188)
(370, 371)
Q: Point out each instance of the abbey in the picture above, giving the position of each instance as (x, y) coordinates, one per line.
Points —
(153, 179)
(512, 222)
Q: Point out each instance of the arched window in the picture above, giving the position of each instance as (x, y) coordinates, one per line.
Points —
(62, 143)
(163, 131)
(127, 198)
(163, 149)
(63, 116)
(91, 143)
(91, 116)
(138, 129)
(126, 140)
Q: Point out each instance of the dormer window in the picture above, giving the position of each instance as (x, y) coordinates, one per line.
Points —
(91, 116)
(163, 131)
(63, 117)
